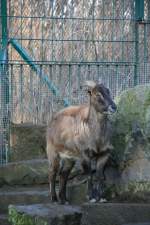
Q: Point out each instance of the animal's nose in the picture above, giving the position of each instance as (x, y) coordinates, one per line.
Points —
(112, 108)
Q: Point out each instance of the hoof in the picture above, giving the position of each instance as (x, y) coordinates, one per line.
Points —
(103, 200)
(53, 202)
(63, 202)
(54, 199)
(93, 200)
(66, 203)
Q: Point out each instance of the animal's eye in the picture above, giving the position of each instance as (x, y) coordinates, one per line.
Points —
(99, 95)
(108, 91)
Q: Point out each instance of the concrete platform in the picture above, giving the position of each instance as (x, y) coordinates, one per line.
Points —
(92, 214)
(116, 214)
(137, 224)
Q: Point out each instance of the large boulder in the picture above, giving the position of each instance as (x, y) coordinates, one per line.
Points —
(133, 116)
(131, 139)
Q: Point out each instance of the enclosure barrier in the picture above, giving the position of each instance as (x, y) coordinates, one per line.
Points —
(51, 47)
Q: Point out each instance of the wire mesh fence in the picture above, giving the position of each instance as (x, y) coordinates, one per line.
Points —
(54, 46)
(32, 101)
(79, 31)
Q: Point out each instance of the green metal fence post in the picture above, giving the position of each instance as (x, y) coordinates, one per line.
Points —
(4, 22)
(136, 27)
(139, 9)
(139, 15)
(4, 83)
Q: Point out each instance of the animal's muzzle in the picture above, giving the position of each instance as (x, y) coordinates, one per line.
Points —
(112, 108)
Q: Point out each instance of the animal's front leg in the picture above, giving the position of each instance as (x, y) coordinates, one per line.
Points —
(86, 166)
(98, 178)
(91, 177)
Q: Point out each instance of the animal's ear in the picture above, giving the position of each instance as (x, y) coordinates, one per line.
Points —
(100, 81)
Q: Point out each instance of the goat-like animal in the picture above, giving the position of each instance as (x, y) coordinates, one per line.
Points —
(80, 133)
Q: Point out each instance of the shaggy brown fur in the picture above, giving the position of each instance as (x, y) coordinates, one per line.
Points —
(79, 133)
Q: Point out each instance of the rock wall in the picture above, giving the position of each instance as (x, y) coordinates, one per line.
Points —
(131, 139)
(27, 141)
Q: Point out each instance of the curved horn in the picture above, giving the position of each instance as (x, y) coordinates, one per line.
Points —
(100, 80)
(89, 83)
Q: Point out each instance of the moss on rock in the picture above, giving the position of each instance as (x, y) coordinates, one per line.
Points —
(133, 107)
(131, 141)
(24, 172)
(16, 218)
(27, 141)
(133, 192)
(45, 214)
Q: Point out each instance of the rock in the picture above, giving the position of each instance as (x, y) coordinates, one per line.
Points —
(115, 214)
(27, 141)
(26, 195)
(45, 214)
(132, 114)
(4, 219)
(137, 224)
(112, 175)
(24, 172)
(77, 193)
(137, 171)
(22, 195)
(131, 139)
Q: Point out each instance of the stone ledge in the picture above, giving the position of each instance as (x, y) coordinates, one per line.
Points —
(4, 219)
(115, 213)
(24, 172)
(23, 195)
(91, 214)
(45, 214)
(137, 224)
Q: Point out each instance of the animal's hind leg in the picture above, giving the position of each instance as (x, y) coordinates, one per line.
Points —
(53, 169)
(66, 167)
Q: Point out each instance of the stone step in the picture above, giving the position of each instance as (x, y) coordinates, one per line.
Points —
(92, 214)
(116, 214)
(38, 194)
(24, 172)
(29, 172)
(137, 224)
(4, 219)
(23, 195)
(45, 214)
